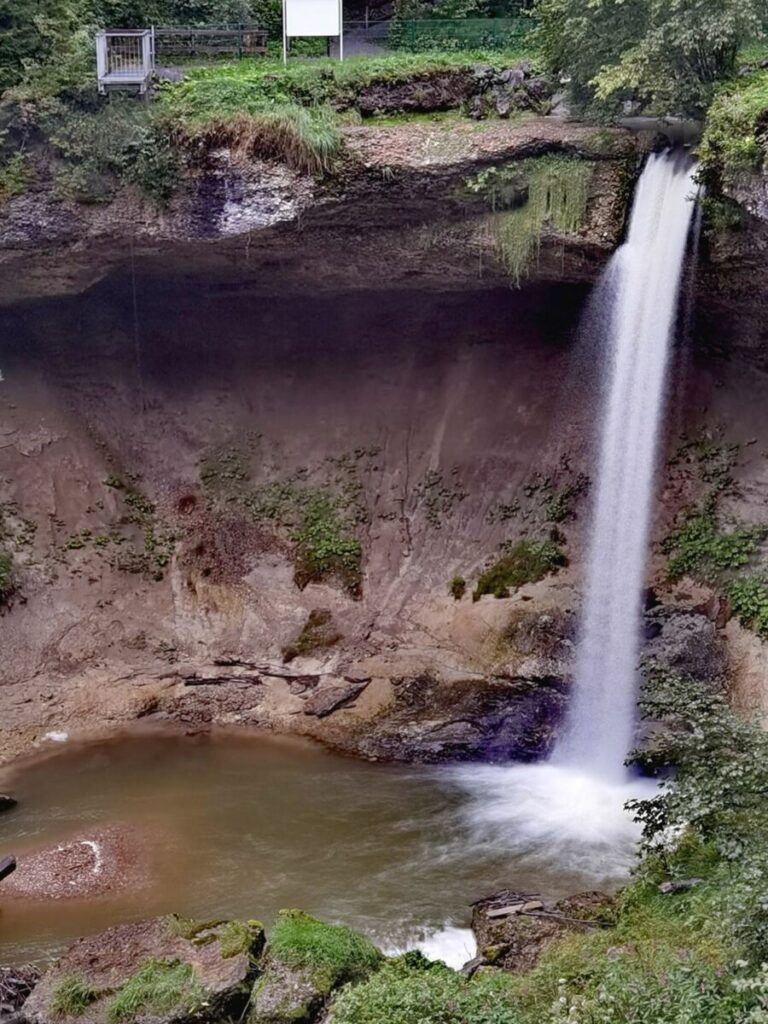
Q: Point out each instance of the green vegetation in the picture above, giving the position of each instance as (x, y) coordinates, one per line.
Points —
(15, 175)
(525, 561)
(317, 633)
(700, 547)
(320, 519)
(748, 596)
(411, 990)
(7, 576)
(647, 49)
(734, 140)
(72, 996)
(712, 551)
(529, 195)
(458, 587)
(334, 954)
(158, 987)
(236, 937)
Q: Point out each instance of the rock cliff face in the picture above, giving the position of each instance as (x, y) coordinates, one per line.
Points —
(242, 471)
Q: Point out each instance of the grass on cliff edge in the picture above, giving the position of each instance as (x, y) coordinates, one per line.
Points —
(293, 112)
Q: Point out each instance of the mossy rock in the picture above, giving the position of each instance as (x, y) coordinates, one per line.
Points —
(306, 961)
(160, 970)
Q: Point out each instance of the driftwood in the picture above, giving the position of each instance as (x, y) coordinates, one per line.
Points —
(16, 984)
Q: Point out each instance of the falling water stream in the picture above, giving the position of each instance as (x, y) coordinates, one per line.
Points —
(644, 281)
(570, 810)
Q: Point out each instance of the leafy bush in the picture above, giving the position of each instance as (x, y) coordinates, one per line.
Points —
(527, 561)
(458, 587)
(15, 175)
(334, 953)
(410, 990)
(120, 142)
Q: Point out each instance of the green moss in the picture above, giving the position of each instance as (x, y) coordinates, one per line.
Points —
(458, 587)
(526, 561)
(158, 987)
(7, 576)
(528, 196)
(187, 927)
(72, 996)
(316, 634)
(335, 954)
(236, 937)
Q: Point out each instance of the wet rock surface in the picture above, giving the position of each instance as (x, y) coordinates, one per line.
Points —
(495, 721)
(213, 965)
(513, 929)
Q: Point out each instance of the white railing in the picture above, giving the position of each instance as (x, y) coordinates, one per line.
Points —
(125, 59)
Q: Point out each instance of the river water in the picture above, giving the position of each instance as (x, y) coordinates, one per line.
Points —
(243, 826)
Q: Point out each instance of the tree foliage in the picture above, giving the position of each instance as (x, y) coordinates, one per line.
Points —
(667, 53)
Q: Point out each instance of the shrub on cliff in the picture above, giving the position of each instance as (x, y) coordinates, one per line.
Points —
(526, 561)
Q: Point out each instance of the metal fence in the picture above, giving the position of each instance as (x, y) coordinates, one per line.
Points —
(224, 40)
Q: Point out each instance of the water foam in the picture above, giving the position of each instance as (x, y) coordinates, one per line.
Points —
(554, 815)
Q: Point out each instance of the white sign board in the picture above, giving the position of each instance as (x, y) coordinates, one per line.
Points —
(312, 17)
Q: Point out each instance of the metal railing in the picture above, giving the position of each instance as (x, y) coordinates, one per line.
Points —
(188, 41)
(124, 59)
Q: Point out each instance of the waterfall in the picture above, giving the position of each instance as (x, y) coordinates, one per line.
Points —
(641, 286)
(569, 811)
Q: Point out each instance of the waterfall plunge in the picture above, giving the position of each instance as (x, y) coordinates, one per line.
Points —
(569, 810)
(641, 284)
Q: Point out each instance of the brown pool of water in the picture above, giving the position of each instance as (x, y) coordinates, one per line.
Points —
(243, 826)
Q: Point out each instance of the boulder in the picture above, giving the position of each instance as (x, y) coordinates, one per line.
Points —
(160, 970)
(306, 961)
(327, 699)
(286, 994)
(514, 929)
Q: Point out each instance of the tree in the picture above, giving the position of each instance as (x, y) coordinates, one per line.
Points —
(30, 32)
(667, 53)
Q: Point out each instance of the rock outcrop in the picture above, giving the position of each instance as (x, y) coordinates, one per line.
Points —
(513, 929)
(159, 970)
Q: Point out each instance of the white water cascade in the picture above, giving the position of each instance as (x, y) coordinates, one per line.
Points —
(569, 811)
(642, 285)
